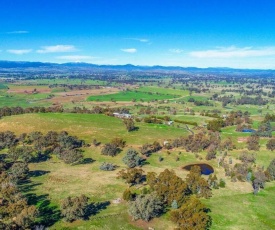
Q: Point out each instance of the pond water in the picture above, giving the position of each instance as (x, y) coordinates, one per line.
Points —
(248, 130)
(206, 169)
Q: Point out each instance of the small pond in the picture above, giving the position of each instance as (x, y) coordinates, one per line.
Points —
(248, 130)
(206, 169)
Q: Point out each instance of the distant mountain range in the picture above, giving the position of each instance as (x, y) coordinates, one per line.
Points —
(127, 67)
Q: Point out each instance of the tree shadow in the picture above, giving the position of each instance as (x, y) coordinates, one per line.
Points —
(26, 186)
(144, 162)
(40, 158)
(48, 214)
(3, 156)
(37, 173)
(95, 208)
(87, 161)
(135, 129)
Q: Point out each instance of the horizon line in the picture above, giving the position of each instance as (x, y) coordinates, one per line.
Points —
(134, 65)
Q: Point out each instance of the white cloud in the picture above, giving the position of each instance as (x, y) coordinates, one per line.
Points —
(76, 58)
(130, 50)
(139, 39)
(19, 52)
(18, 32)
(57, 49)
(177, 51)
(234, 52)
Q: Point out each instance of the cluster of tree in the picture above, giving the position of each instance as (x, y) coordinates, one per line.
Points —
(237, 118)
(242, 91)
(152, 119)
(224, 99)
(166, 192)
(264, 130)
(186, 122)
(246, 172)
(147, 149)
(74, 86)
(201, 141)
(200, 103)
(8, 111)
(15, 212)
(251, 100)
(35, 146)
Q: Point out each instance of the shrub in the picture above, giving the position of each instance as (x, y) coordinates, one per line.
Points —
(132, 159)
(107, 166)
(110, 149)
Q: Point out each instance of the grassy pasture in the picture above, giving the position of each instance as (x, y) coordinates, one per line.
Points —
(232, 208)
(130, 95)
(63, 180)
(89, 126)
(160, 90)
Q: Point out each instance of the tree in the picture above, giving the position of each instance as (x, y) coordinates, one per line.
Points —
(7, 140)
(69, 142)
(197, 184)
(215, 125)
(271, 169)
(110, 150)
(147, 149)
(247, 157)
(146, 207)
(13, 154)
(23, 152)
(119, 142)
(253, 143)
(211, 153)
(27, 217)
(270, 145)
(128, 195)
(14, 210)
(71, 156)
(168, 186)
(227, 144)
(131, 175)
(19, 171)
(129, 124)
(192, 215)
(74, 208)
(132, 159)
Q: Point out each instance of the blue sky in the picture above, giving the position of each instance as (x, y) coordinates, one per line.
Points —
(212, 33)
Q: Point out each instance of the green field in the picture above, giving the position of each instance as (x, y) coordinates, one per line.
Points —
(89, 126)
(131, 95)
(161, 90)
(232, 208)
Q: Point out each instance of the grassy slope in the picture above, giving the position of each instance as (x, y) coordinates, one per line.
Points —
(89, 126)
(243, 211)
